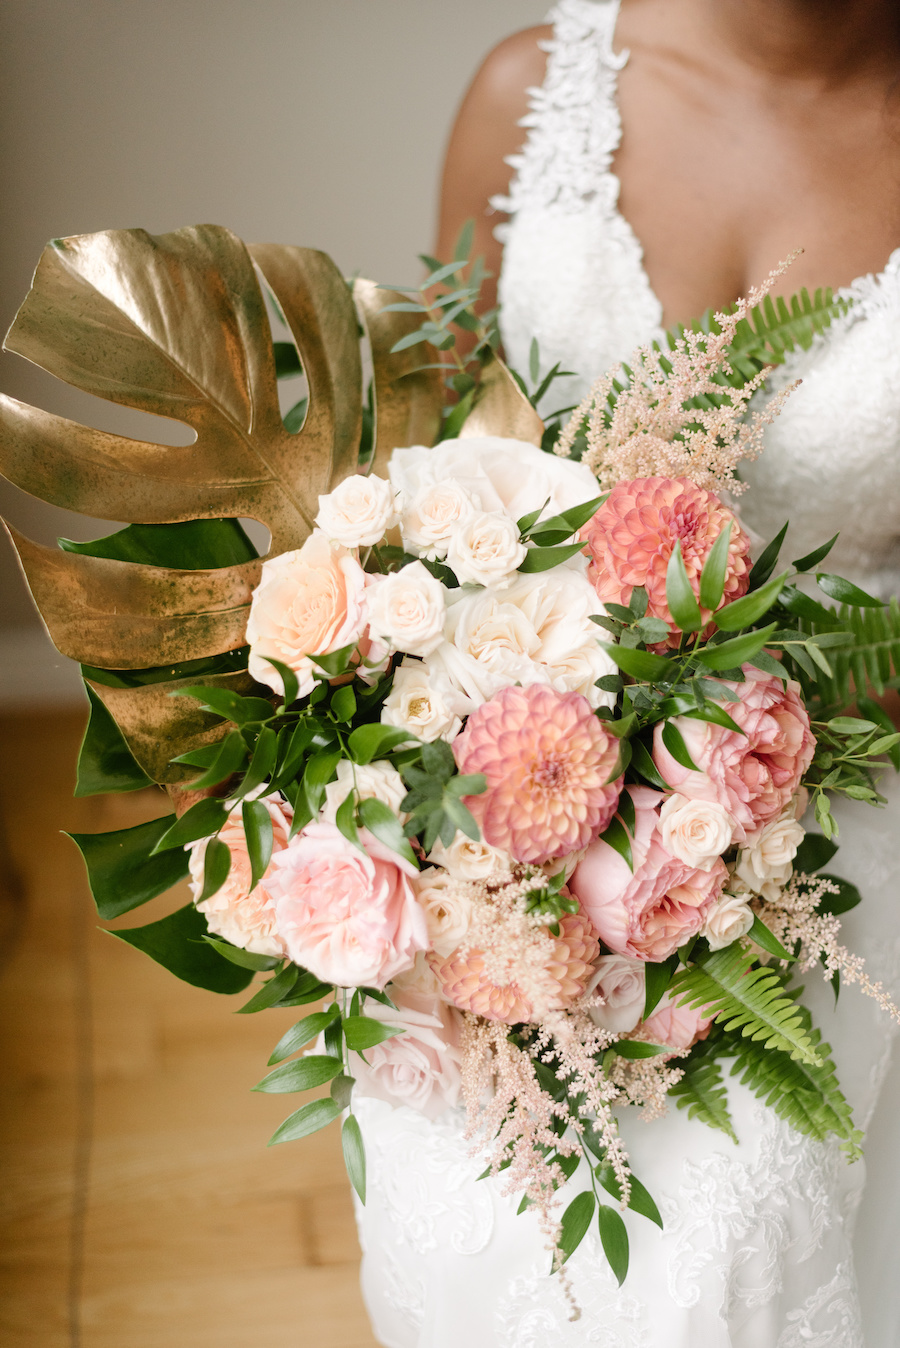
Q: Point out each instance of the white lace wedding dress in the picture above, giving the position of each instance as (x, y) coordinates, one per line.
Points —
(758, 1247)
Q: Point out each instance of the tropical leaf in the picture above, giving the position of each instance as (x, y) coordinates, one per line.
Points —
(726, 986)
(701, 1091)
(501, 408)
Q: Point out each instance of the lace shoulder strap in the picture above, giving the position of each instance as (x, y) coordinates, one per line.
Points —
(573, 125)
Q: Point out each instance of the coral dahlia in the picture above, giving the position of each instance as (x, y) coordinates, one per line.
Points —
(469, 983)
(633, 535)
(548, 761)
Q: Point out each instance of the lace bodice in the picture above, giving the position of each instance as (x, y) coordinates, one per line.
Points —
(756, 1251)
(573, 276)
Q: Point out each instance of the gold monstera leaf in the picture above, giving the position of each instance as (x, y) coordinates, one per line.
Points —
(176, 325)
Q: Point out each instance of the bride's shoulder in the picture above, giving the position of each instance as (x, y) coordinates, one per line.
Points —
(511, 68)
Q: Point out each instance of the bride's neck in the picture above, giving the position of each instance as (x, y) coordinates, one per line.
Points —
(832, 40)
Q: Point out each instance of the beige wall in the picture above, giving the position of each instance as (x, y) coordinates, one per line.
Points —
(317, 122)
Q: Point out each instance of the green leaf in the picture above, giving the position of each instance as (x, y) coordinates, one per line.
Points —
(851, 725)
(229, 705)
(542, 559)
(372, 741)
(343, 703)
(847, 898)
(176, 942)
(123, 871)
(271, 992)
(657, 978)
(345, 819)
(262, 764)
(680, 597)
(569, 521)
(765, 939)
(380, 820)
(616, 836)
(641, 1201)
(733, 653)
(335, 663)
(244, 959)
(673, 740)
(746, 611)
(105, 763)
(192, 545)
(260, 838)
(635, 1049)
(310, 1027)
(216, 865)
(288, 679)
(354, 1155)
(715, 716)
(300, 1075)
(845, 592)
(575, 1223)
(230, 757)
(307, 989)
(814, 852)
(702, 1093)
(712, 577)
(295, 416)
(287, 362)
(318, 773)
(642, 762)
(817, 555)
(361, 1032)
(308, 1119)
(342, 1090)
(768, 559)
(614, 1239)
(202, 819)
(642, 665)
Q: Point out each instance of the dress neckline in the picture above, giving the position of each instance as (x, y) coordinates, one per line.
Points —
(855, 290)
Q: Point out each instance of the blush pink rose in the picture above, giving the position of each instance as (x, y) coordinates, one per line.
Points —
(753, 775)
(649, 912)
(421, 1066)
(309, 602)
(349, 917)
(678, 1026)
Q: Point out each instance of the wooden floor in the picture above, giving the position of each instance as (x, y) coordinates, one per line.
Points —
(141, 1206)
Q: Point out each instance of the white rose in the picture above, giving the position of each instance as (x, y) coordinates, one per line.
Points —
(447, 908)
(620, 981)
(407, 609)
(358, 512)
(772, 854)
(419, 980)
(421, 1066)
(509, 475)
(465, 859)
(539, 630)
(485, 550)
(697, 832)
(424, 702)
(434, 512)
(729, 919)
(373, 781)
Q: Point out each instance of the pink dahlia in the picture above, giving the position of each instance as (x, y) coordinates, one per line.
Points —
(633, 534)
(466, 982)
(548, 761)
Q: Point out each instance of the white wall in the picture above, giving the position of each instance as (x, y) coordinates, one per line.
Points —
(316, 122)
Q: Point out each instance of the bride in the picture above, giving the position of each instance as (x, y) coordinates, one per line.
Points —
(674, 153)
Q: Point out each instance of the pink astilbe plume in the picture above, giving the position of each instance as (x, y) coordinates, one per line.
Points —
(656, 426)
(548, 763)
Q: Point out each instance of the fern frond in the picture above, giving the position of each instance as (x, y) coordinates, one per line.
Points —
(725, 986)
(701, 1091)
(873, 659)
(805, 1095)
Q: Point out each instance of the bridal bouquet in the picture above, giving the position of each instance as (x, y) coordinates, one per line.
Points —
(501, 756)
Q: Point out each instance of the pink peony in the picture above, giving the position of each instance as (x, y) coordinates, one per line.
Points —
(421, 1066)
(650, 912)
(562, 981)
(244, 916)
(349, 917)
(633, 534)
(309, 602)
(753, 775)
(547, 760)
(678, 1026)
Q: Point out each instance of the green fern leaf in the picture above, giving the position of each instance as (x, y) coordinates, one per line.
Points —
(701, 1092)
(872, 660)
(805, 1095)
(752, 1000)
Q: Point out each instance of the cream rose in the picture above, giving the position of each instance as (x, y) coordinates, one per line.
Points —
(447, 908)
(424, 702)
(466, 859)
(729, 919)
(620, 982)
(358, 512)
(695, 831)
(419, 1067)
(434, 512)
(771, 856)
(373, 781)
(406, 609)
(308, 602)
(485, 550)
